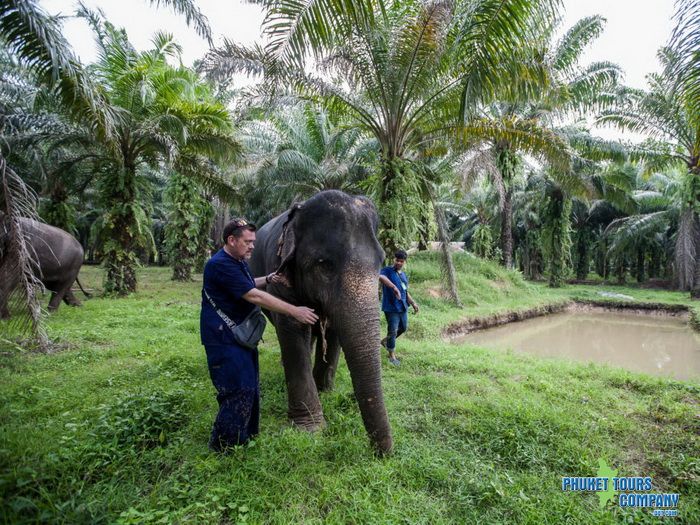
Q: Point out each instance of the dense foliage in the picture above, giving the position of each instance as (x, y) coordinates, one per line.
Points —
(462, 119)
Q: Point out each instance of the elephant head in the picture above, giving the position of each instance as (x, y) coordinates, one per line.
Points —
(328, 251)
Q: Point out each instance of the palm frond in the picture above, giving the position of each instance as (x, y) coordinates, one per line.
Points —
(295, 28)
(627, 231)
(193, 15)
(18, 262)
(527, 136)
(685, 40)
(569, 49)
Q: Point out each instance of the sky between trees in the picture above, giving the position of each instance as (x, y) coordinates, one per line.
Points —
(634, 32)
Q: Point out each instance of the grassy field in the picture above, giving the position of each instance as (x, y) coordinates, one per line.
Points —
(114, 427)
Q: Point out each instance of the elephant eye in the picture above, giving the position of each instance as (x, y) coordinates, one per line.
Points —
(325, 264)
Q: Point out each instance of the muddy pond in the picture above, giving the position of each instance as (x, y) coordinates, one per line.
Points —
(654, 344)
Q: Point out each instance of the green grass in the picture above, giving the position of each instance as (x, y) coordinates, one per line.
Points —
(114, 427)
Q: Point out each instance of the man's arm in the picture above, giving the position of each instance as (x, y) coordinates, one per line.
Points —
(387, 282)
(300, 313)
(412, 302)
(262, 282)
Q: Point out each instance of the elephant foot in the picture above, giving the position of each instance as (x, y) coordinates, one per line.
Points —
(325, 385)
(383, 447)
(310, 424)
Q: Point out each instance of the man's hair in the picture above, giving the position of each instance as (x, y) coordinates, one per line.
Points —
(236, 228)
(400, 254)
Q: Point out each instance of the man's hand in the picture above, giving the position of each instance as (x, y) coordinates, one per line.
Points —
(304, 315)
(278, 278)
(397, 293)
(415, 307)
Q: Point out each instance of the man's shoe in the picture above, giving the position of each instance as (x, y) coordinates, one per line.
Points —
(394, 361)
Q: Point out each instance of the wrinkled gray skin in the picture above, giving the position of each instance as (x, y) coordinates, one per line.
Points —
(60, 257)
(331, 257)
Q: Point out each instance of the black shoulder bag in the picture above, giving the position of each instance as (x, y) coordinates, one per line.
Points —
(248, 332)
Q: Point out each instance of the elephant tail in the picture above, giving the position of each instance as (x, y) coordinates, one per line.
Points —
(88, 295)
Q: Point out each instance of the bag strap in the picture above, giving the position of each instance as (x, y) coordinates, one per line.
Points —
(225, 318)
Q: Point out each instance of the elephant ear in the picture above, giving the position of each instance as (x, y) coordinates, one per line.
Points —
(286, 246)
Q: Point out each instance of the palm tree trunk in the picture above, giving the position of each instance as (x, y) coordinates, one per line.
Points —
(389, 232)
(448, 264)
(686, 250)
(583, 253)
(507, 162)
(122, 231)
(695, 291)
(559, 238)
(222, 216)
(640, 264)
(507, 229)
(182, 229)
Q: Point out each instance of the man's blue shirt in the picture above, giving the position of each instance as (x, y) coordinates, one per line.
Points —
(226, 280)
(389, 301)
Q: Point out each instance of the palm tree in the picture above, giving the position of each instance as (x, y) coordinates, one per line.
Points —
(667, 114)
(36, 40)
(294, 153)
(166, 115)
(403, 71)
(39, 57)
(539, 108)
(653, 225)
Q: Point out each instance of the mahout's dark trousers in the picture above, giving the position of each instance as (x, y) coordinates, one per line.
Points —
(235, 372)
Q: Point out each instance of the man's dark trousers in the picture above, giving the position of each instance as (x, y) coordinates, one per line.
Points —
(234, 372)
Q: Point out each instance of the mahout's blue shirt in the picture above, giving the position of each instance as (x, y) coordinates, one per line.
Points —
(389, 301)
(226, 280)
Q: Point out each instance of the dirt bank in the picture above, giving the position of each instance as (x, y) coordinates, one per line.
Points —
(467, 326)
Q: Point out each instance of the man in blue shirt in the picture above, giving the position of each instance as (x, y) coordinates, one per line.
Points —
(395, 301)
(234, 369)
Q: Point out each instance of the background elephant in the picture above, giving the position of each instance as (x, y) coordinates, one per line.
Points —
(328, 250)
(60, 257)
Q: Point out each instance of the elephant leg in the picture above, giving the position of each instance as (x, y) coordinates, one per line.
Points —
(304, 405)
(7, 285)
(325, 365)
(4, 311)
(70, 299)
(57, 295)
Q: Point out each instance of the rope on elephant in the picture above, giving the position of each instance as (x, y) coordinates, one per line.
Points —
(322, 324)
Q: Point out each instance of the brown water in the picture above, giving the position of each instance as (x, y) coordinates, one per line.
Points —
(658, 345)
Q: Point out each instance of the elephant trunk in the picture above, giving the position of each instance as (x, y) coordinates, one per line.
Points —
(360, 338)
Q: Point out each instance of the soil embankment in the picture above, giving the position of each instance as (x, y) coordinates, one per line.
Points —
(467, 326)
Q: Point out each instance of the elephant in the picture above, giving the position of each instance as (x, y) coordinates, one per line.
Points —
(327, 250)
(59, 256)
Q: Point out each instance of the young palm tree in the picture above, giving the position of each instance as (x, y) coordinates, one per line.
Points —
(296, 152)
(166, 115)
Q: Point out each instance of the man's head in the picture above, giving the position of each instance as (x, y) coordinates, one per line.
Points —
(400, 259)
(239, 238)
